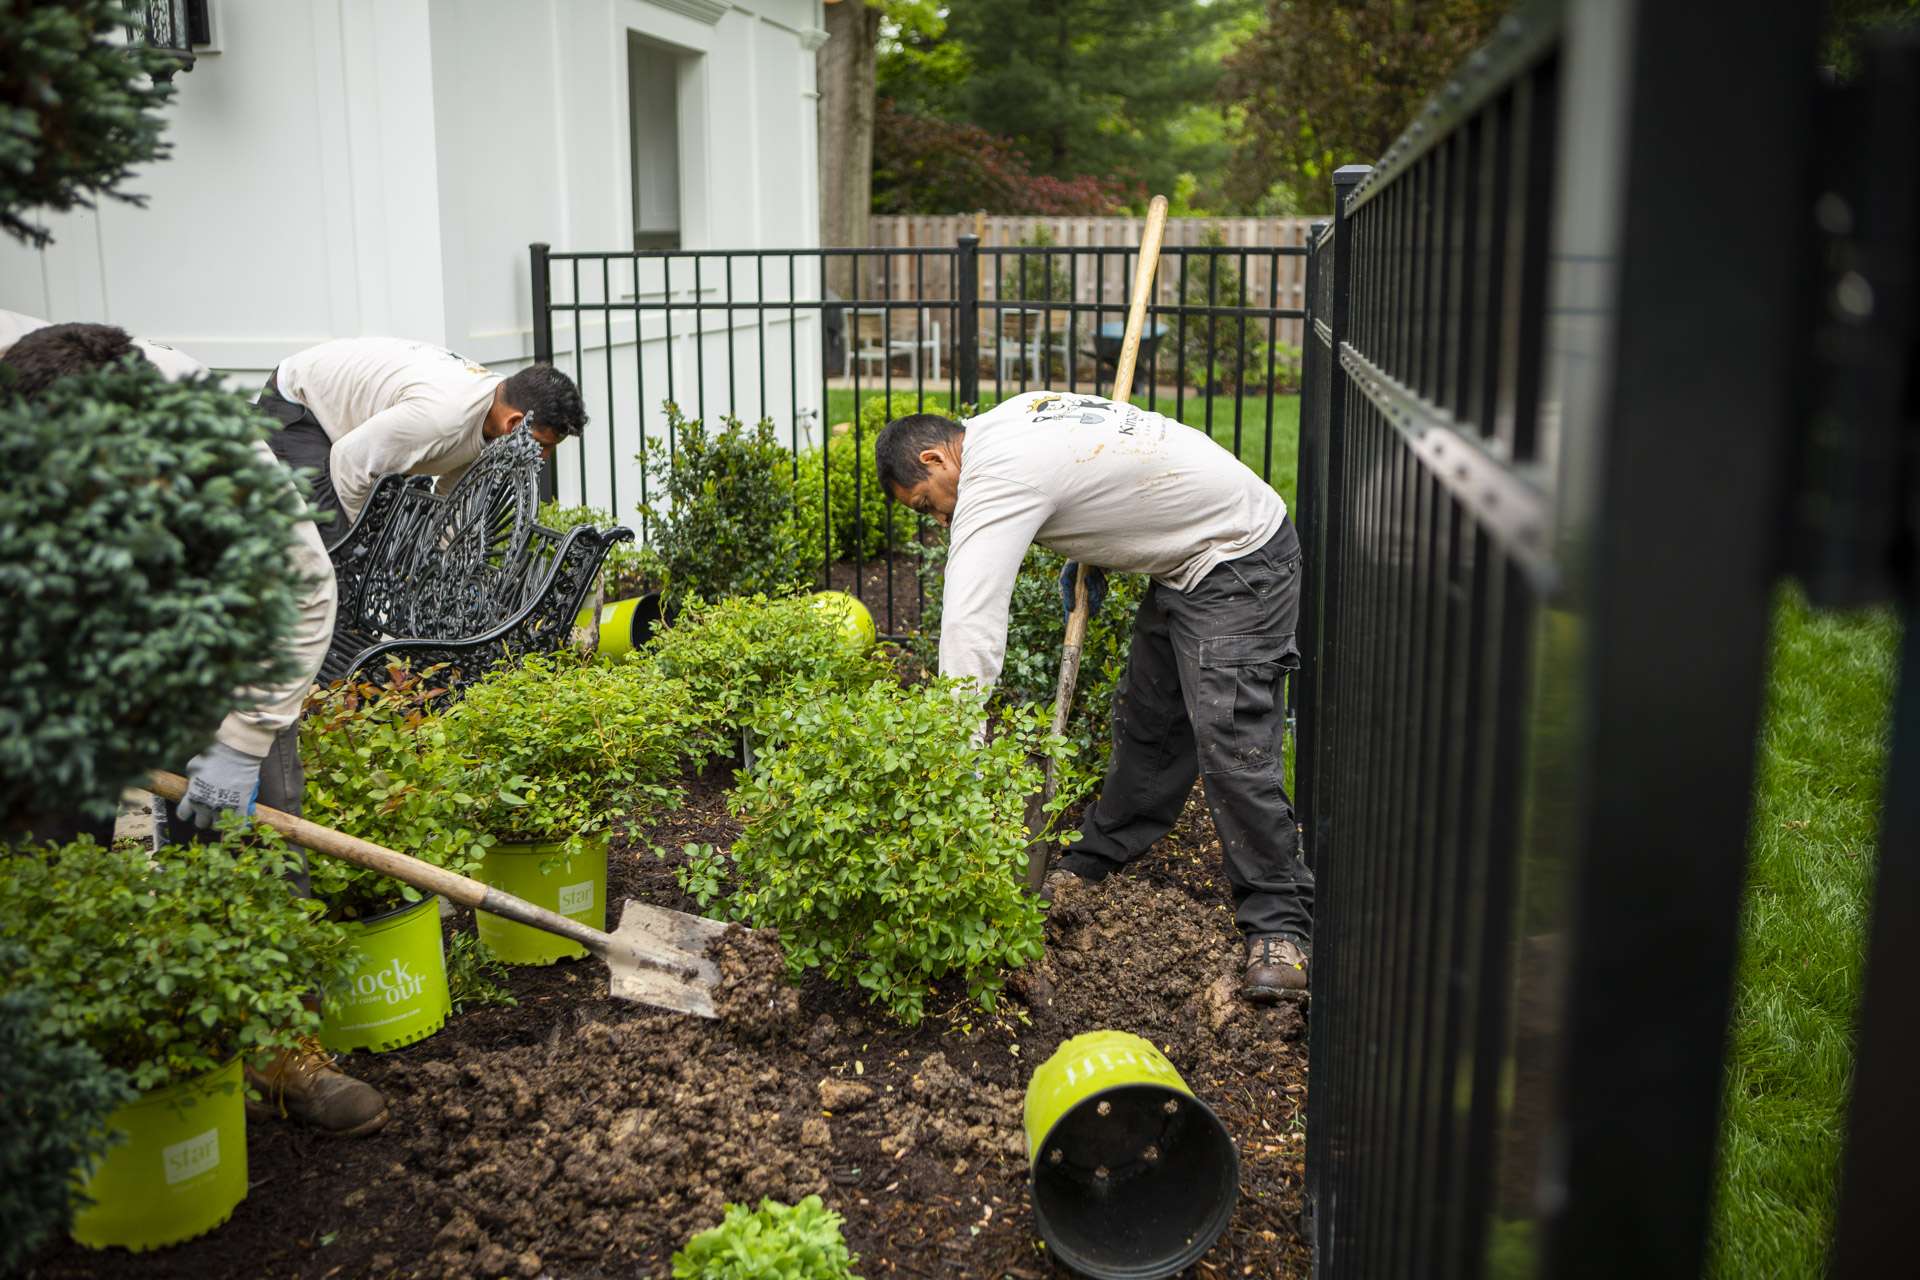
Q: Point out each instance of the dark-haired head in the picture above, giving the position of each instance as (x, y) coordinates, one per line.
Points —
(918, 459)
(48, 354)
(542, 397)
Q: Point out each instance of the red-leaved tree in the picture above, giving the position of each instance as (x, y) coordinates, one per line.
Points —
(925, 165)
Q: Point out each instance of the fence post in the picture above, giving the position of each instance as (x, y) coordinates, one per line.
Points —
(1328, 512)
(1309, 499)
(966, 320)
(543, 348)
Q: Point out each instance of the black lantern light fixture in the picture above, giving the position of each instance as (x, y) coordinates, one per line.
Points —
(174, 26)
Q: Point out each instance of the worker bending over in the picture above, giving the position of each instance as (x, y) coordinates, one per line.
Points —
(255, 754)
(355, 409)
(1117, 486)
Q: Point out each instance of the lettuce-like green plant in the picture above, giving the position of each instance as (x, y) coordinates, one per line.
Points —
(143, 559)
(889, 847)
(735, 655)
(167, 966)
(558, 748)
(773, 1242)
(55, 1098)
(381, 765)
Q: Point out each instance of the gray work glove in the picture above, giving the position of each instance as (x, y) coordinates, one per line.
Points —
(218, 779)
(1096, 589)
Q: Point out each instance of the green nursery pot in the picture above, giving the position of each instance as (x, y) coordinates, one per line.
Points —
(576, 888)
(180, 1170)
(624, 625)
(1133, 1177)
(398, 992)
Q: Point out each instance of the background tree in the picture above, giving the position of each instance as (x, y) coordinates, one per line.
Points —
(1110, 89)
(1322, 83)
(923, 164)
(844, 70)
(77, 110)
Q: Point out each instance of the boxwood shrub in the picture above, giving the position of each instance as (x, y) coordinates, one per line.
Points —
(55, 1098)
(167, 966)
(887, 847)
(143, 559)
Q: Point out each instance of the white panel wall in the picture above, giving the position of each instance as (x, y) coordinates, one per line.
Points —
(291, 209)
(347, 167)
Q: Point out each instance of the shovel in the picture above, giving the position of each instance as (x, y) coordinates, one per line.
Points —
(1077, 620)
(656, 956)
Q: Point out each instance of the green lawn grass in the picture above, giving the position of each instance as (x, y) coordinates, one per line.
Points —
(1253, 448)
(1813, 844)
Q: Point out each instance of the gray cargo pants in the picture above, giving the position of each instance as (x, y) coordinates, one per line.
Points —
(1203, 694)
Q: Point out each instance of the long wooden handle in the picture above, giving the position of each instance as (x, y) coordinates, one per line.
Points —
(421, 875)
(1076, 636)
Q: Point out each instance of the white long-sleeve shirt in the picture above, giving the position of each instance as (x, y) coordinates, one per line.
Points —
(391, 405)
(1102, 483)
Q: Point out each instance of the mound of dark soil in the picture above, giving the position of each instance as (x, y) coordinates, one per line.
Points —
(575, 1136)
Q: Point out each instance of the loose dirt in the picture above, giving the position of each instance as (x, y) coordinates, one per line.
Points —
(578, 1136)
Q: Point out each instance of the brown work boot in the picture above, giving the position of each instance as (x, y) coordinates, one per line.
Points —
(304, 1085)
(1276, 969)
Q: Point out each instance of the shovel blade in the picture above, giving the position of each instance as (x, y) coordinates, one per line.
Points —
(659, 957)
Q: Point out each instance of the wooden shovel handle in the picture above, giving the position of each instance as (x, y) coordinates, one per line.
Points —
(1076, 636)
(338, 844)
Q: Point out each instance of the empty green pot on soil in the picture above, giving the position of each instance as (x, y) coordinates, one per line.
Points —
(178, 1173)
(398, 992)
(1133, 1177)
(856, 623)
(540, 872)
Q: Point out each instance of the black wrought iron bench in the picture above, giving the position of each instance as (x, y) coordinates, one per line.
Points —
(468, 580)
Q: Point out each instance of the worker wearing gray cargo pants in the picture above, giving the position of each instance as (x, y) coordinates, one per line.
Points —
(1204, 694)
(1130, 490)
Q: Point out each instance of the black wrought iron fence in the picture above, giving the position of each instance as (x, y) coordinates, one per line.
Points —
(757, 334)
(1564, 343)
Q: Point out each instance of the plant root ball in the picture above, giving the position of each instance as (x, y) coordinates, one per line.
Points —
(855, 622)
(754, 997)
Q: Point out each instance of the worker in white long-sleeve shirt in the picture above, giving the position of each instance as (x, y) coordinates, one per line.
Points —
(1130, 490)
(355, 409)
(255, 754)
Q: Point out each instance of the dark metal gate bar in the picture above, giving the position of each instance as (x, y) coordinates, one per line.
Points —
(1557, 362)
(742, 332)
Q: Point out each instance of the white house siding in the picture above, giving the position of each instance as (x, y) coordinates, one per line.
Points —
(344, 167)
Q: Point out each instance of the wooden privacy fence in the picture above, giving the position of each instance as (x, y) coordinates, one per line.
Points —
(1268, 282)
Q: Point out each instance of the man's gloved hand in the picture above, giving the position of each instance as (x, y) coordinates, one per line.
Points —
(1096, 588)
(219, 778)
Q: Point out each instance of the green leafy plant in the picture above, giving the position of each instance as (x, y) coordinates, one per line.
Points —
(143, 558)
(839, 507)
(734, 655)
(1031, 673)
(558, 748)
(704, 874)
(886, 846)
(474, 978)
(720, 519)
(623, 575)
(55, 1098)
(773, 1242)
(167, 966)
(77, 110)
(380, 765)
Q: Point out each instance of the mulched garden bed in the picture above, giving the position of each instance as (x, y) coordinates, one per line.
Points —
(897, 573)
(577, 1136)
